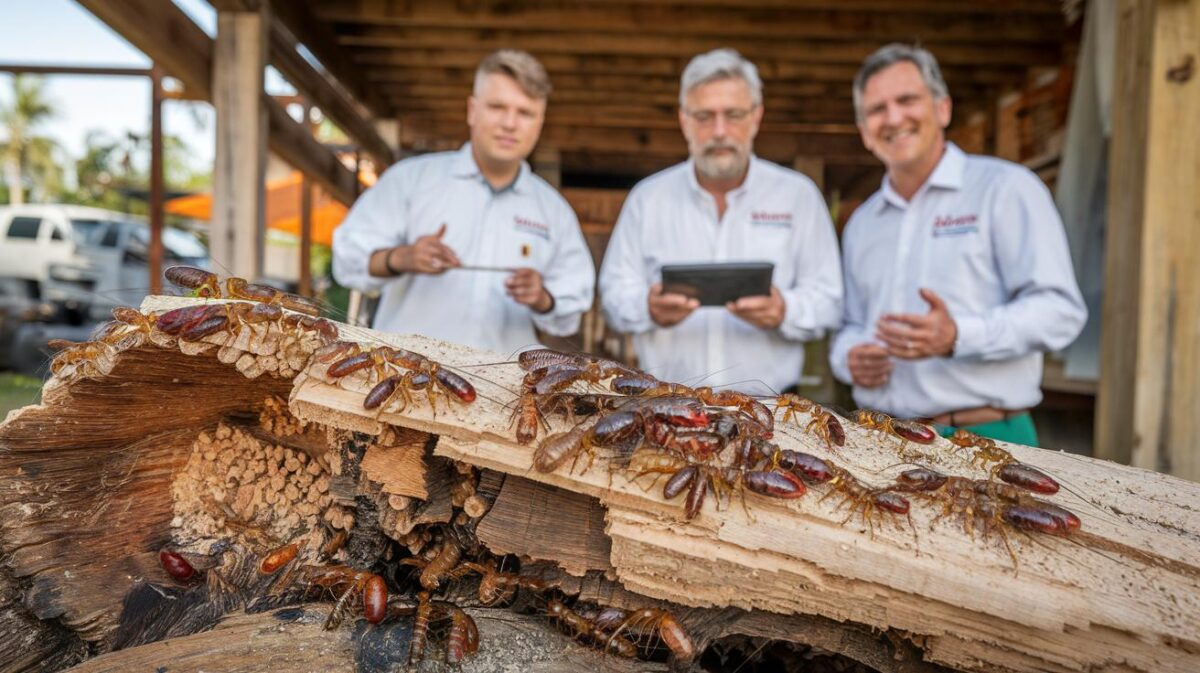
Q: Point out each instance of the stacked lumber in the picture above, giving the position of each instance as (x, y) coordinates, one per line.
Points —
(173, 444)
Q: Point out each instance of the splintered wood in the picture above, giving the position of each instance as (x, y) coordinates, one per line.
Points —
(1125, 591)
(147, 441)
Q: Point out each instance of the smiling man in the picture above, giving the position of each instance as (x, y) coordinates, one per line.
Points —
(723, 205)
(471, 246)
(957, 270)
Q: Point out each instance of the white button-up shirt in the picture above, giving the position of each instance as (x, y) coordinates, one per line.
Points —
(527, 224)
(984, 235)
(777, 215)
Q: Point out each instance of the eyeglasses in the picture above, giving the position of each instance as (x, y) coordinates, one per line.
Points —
(731, 115)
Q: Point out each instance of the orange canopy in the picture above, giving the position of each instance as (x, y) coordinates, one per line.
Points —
(283, 209)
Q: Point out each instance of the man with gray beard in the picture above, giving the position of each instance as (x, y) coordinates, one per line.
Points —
(723, 205)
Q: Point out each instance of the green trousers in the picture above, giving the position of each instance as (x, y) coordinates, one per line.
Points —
(1018, 430)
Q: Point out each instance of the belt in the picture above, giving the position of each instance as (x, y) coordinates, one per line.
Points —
(976, 416)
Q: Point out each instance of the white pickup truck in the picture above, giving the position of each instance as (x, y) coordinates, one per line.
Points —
(89, 256)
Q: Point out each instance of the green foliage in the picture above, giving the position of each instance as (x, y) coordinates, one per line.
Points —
(110, 164)
(17, 391)
(34, 164)
(29, 160)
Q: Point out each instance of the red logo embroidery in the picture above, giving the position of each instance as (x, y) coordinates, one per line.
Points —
(762, 217)
(531, 226)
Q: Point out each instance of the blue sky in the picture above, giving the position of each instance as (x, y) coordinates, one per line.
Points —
(63, 32)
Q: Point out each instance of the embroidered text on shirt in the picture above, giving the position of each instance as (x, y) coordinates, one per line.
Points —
(953, 225)
(532, 227)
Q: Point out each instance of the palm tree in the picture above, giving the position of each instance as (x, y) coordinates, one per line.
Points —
(25, 153)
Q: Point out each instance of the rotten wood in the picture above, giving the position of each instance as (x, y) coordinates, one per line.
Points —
(88, 476)
(295, 641)
(1112, 592)
(545, 522)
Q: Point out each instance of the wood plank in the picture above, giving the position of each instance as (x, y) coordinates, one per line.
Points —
(816, 51)
(165, 34)
(778, 147)
(317, 37)
(341, 109)
(292, 639)
(237, 227)
(547, 523)
(378, 60)
(297, 146)
(815, 116)
(397, 463)
(381, 62)
(812, 166)
(1043, 8)
(1150, 385)
(569, 19)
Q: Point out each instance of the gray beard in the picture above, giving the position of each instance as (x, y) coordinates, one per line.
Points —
(716, 169)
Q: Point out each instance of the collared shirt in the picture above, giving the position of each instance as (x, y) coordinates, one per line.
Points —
(984, 235)
(527, 224)
(777, 215)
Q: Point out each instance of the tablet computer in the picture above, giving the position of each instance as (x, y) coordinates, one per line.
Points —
(716, 284)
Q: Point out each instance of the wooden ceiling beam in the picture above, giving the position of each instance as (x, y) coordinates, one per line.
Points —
(639, 118)
(824, 110)
(704, 21)
(657, 90)
(667, 142)
(591, 43)
(169, 37)
(317, 37)
(341, 109)
(381, 64)
(1042, 8)
(666, 99)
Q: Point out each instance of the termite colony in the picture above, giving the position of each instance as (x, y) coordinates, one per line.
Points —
(257, 507)
(705, 441)
(253, 331)
(268, 491)
(239, 485)
(243, 495)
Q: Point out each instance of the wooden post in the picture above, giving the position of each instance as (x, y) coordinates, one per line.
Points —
(238, 229)
(304, 282)
(156, 180)
(813, 167)
(1008, 127)
(547, 163)
(306, 215)
(1148, 406)
(389, 131)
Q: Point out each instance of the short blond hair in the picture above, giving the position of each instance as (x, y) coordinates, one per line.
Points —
(526, 70)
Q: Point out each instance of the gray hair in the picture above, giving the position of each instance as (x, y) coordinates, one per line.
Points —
(892, 54)
(519, 65)
(719, 64)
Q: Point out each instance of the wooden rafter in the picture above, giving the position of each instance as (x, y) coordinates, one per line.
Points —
(319, 40)
(596, 43)
(164, 33)
(339, 107)
(725, 22)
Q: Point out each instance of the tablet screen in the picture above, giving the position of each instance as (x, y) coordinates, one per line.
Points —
(716, 284)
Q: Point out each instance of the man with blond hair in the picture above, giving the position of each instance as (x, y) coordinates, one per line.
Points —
(723, 205)
(434, 228)
(958, 275)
